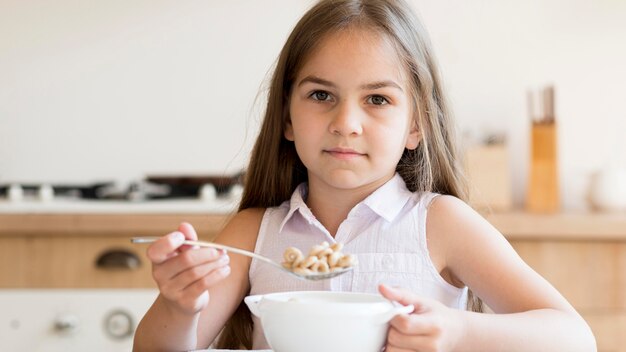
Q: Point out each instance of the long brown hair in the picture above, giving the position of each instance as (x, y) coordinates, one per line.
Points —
(275, 169)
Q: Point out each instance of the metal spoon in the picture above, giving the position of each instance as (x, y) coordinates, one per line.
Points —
(314, 276)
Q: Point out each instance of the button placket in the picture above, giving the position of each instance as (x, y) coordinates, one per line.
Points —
(343, 232)
(387, 262)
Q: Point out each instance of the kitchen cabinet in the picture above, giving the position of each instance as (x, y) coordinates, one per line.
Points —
(85, 250)
(75, 282)
(582, 254)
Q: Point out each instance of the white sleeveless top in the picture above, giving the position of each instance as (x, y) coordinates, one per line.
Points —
(386, 232)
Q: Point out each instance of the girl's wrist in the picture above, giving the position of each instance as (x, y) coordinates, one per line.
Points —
(461, 321)
(176, 313)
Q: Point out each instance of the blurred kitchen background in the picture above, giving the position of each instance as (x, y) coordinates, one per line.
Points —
(161, 100)
(114, 90)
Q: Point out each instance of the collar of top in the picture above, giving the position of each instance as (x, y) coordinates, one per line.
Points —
(387, 201)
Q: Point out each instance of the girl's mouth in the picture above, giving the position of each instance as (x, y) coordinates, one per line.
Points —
(343, 153)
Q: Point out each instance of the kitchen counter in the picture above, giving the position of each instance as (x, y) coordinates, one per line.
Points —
(588, 226)
(582, 254)
(78, 206)
(117, 217)
(111, 218)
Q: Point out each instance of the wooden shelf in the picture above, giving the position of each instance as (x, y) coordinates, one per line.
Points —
(514, 225)
(585, 226)
(105, 224)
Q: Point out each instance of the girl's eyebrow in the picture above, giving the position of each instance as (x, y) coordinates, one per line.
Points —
(382, 84)
(368, 86)
(315, 79)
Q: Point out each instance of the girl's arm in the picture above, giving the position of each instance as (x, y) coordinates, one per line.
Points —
(531, 314)
(199, 288)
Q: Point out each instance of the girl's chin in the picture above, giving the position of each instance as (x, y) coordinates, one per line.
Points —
(349, 179)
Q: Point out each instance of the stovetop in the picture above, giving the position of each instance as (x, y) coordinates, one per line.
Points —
(152, 187)
(155, 193)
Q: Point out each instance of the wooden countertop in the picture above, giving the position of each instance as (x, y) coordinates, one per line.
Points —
(516, 225)
(588, 226)
(105, 224)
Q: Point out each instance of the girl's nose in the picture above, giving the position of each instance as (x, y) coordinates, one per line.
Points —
(346, 120)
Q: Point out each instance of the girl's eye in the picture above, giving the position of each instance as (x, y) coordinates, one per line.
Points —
(320, 95)
(377, 100)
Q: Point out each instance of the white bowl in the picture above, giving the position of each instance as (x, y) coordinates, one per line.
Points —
(313, 321)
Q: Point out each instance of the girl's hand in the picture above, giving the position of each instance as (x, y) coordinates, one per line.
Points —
(183, 273)
(431, 327)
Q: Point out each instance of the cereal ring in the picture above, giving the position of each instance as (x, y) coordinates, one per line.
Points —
(298, 262)
(320, 267)
(302, 271)
(292, 254)
(315, 250)
(309, 261)
(337, 247)
(325, 252)
(346, 261)
(334, 258)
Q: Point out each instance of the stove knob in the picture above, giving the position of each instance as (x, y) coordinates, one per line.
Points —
(15, 193)
(208, 193)
(119, 324)
(66, 324)
(236, 192)
(45, 193)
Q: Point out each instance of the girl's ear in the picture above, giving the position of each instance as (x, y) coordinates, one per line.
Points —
(414, 137)
(288, 131)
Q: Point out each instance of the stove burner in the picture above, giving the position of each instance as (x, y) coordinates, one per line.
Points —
(153, 187)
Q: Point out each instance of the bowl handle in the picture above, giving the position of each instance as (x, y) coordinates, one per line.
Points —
(387, 316)
(253, 304)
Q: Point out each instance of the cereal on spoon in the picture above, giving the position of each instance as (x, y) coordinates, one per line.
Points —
(322, 258)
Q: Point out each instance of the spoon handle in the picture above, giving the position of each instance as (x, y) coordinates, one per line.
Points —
(213, 245)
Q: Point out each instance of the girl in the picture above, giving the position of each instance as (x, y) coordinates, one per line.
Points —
(357, 147)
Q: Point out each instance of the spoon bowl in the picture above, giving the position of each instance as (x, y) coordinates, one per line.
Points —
(314, 276)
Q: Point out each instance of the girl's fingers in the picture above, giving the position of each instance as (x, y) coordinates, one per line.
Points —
(184, 273)
(395, 294)
(390, 348)
(171, 244)
(402, 296)
(413, 324)
(419, 342)
(184, 261)
(189, 232)
(187, 229)
(165, 247)
(193, 274)
(185, 278)
(203, 284)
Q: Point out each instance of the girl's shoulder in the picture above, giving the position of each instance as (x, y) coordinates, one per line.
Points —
(249, 214)
(247, 218)
(445, 203)
(448, 214)
(462, 237)
(242, 228)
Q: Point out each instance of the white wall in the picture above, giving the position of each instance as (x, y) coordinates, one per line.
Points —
(115, 90)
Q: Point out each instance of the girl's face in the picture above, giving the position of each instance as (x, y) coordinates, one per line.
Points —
(350, 111)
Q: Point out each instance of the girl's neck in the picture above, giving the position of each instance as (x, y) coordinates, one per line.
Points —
(331, 205)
